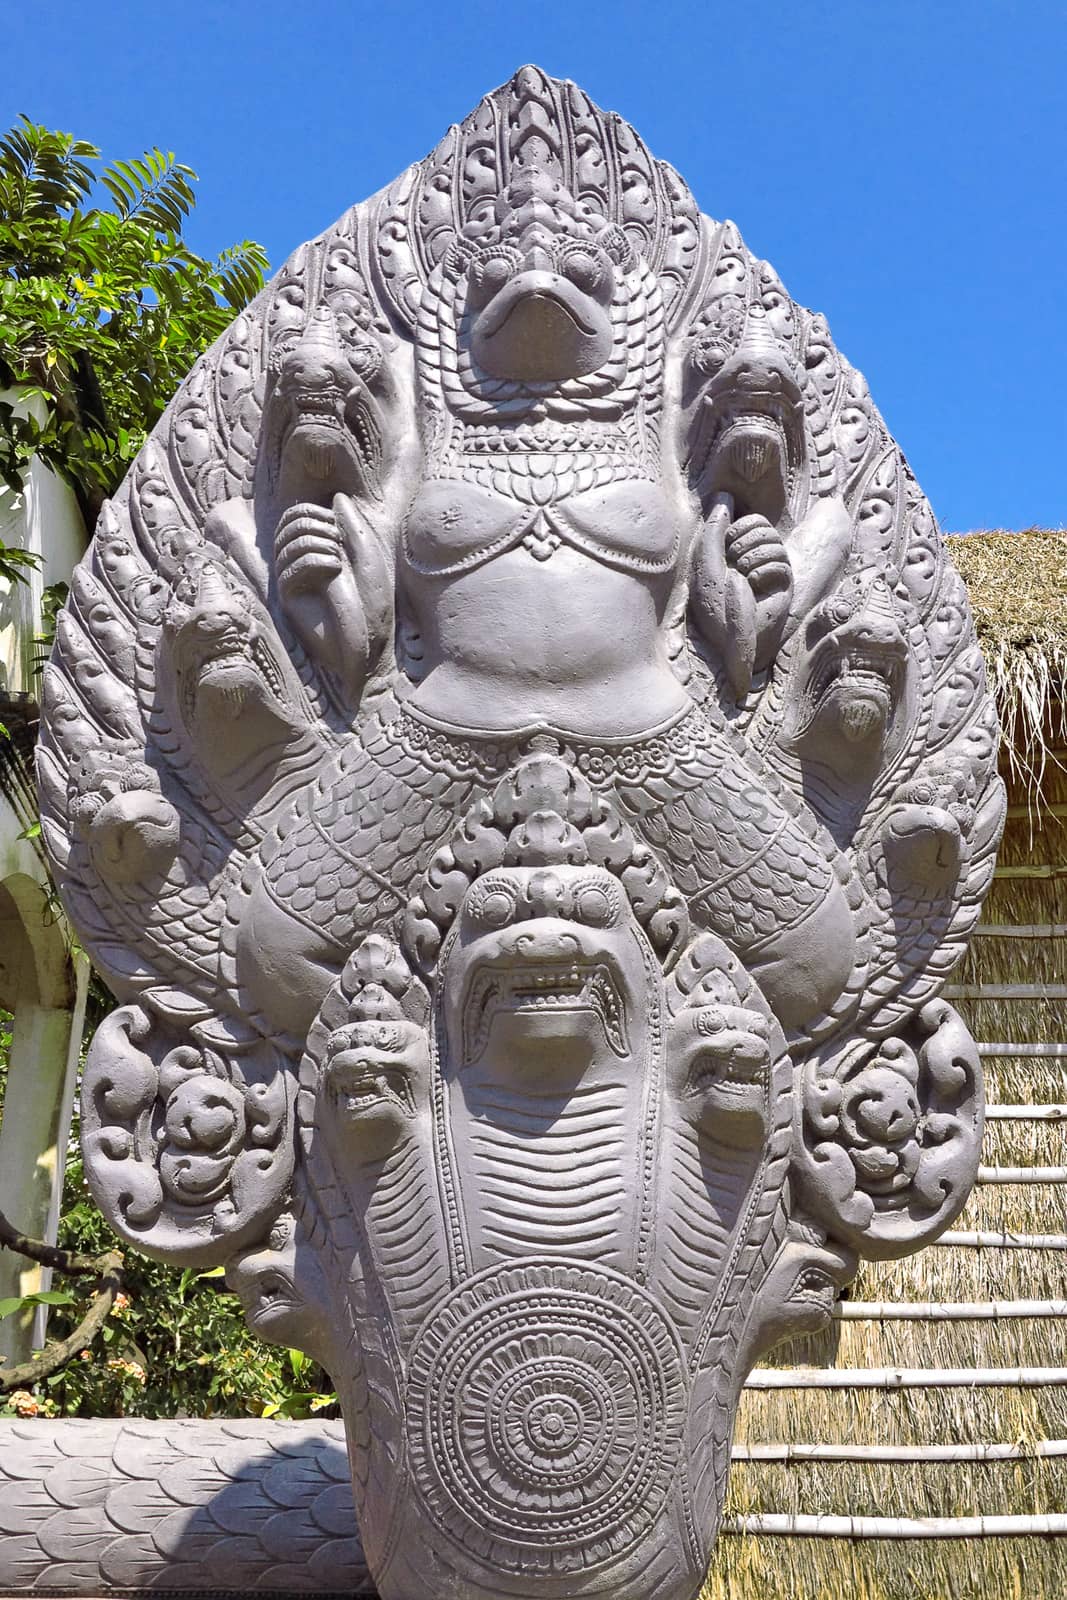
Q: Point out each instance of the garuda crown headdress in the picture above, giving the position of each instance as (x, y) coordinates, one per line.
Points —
(537, 124)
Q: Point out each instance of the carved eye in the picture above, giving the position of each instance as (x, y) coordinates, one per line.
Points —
(595, 904)
(272, 1289)
(839, 611)
(489, 273)
(365, 358)
(493, 904)
(709, 351)
(586, 268)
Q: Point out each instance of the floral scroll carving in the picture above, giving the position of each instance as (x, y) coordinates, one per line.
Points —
(521, 759)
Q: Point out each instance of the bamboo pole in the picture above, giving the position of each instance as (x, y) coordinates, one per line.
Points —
(1044, 1051)
(982, 1240)
(907, 1378)
(1019, 1113)
(946, 1311)
(1057, 809)
(1023, 1450)
(1021, 930)
(1047, 1525)
(1005, 991)
(1044, 870)
(1022, 1175)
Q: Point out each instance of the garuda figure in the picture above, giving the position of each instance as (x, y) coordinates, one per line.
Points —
(518, 753)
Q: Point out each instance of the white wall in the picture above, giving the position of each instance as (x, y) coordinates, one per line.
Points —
(39, 982)
(44, 519)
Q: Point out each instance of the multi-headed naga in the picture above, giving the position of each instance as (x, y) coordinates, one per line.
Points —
(520, 757)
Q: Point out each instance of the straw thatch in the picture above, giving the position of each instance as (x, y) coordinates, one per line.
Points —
(1018, 587)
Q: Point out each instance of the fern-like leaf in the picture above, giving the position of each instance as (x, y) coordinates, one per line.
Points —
(240, 273)
(154, 189)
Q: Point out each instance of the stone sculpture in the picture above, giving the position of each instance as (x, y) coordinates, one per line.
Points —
(520, 755)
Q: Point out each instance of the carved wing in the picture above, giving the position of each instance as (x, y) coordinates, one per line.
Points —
(232, 615)
(828, 624)
(834, 634)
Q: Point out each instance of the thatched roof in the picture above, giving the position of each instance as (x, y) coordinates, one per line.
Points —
(1017, 584)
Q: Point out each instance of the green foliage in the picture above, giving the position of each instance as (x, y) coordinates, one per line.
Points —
(53, 599)
(175, 1345)
(43, 1297)
(16, 564)
(103, 306)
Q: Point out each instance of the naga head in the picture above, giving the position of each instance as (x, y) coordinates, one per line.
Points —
(853, 669)
(226, 679)
(375, 1067)
(545, 980)
(747, 414)
(325, 426)
(926, 834)
(220, 651)
(131, 830)
(542, 971)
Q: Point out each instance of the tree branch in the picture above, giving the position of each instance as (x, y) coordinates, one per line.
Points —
(57, 1354)
(106, 1269)
(49, 1255)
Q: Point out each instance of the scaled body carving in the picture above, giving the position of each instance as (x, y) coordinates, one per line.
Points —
(520, 755)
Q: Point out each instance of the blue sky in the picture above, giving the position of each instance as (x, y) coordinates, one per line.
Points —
(902, 164)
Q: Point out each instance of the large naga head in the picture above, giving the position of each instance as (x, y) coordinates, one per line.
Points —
(521, 1101)
(520, 756)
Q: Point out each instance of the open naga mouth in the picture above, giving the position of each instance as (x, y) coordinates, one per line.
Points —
(860, 683)
(815, 1286)
(361, 1087)
(233, 671)
(729, 1075)
(327, 431)
(750, 442)
(750, 450)
(753, 444)
(861, 670)
(543, 990)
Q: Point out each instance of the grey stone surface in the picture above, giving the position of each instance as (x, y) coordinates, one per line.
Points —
(111, 1507)
(522, 759)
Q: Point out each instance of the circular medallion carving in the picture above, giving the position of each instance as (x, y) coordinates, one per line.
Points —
(545, 1412)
